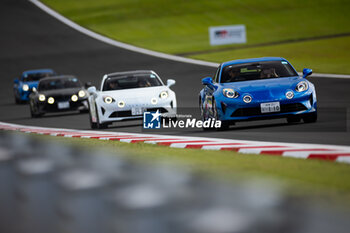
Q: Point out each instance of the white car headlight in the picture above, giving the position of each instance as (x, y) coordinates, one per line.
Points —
(51, 100)
(42, 97)
(302, 86)
(230, 93)
(74, 98)
(121, 104)
(163, 95)
(108, 99)
(289, 95)
(81, 93)
(154, 101)
(25, 87)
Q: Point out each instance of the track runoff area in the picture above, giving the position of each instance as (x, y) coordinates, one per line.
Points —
(295, 150)
(309, 151)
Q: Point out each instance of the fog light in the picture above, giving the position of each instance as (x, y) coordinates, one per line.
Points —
(247, 99)
(42, 97)
(74, 98)
(51, 100)
(154, 101)
(289, 94)
(121, 104)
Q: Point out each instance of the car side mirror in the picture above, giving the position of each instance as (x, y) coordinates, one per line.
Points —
(207, 81)
(91, 90)
(170, 82)
(87, 85)
(306, 72)
(16, 81)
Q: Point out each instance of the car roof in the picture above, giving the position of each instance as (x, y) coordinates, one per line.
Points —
(241, 61)
(131, 72)
(128, 73)
(57, 77)
(38, 71)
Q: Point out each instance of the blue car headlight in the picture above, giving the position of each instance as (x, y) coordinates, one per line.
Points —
(25, 87)
(230, 93)
(302, 86)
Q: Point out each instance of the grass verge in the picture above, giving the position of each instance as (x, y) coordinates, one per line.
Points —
(180, 26)
(315, 178)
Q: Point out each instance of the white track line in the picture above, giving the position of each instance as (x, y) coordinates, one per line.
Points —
(295, 150)
(119, 44)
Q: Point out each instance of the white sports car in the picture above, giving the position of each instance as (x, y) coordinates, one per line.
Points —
(126, 95)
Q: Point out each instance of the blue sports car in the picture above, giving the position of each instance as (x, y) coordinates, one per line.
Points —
(29, 79)
(259, 88)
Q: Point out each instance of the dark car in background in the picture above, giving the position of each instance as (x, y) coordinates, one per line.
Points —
(23, 86)
(58, 94)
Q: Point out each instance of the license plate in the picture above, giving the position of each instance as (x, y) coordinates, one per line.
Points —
(137, 111)
(62, 105)
(270, 107)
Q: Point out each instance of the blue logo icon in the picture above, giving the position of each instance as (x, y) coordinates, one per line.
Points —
(151, 120)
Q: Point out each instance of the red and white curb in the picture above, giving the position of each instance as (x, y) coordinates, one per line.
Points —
(295, 150)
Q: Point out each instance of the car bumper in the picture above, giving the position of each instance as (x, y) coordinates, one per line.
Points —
(80, 105)
(233, 111)
(111, 113)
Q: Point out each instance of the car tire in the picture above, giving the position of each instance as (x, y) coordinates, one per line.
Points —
(202, 114)
(293, 119)
(33, 112)
(224, 124)
(93, 125)
(98, 124)
(17, 101)
(310, 117)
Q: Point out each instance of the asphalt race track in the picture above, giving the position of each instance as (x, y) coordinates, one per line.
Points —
(30, 38)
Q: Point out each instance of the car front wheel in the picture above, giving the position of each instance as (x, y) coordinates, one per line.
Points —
(98, 124)
(224, 124)
(34, 111)
(310, 117)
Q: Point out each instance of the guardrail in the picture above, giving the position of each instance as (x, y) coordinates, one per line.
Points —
(49, 187)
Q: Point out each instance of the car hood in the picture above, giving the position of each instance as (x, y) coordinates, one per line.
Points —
(31, 84)
(68, 91)
(136, 92)
(268, 86)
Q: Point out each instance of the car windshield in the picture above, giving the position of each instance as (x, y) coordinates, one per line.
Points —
(256, 71)
(36, 76)
(59, 83)
(131, 81)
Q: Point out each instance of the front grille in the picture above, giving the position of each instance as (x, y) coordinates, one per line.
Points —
(161, 110)
(61, 98)
(128, 113)
(245, 112)
(121, 114)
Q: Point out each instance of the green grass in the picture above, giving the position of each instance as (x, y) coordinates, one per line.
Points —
(316, 178)
(320, 55)
(180, 26)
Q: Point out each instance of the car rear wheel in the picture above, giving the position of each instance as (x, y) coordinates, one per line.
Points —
(310, 117)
